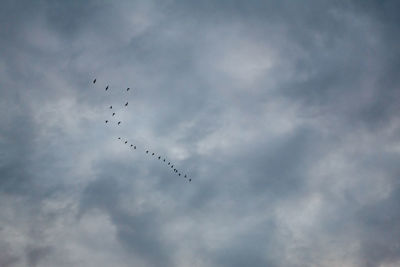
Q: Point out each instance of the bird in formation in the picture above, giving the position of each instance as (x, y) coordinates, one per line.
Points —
(134, 146)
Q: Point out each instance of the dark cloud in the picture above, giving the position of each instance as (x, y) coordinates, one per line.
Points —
(282, 113)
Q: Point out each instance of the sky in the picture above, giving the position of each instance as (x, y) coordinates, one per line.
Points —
(283, 113)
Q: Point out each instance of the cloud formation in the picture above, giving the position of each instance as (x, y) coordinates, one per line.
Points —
(284, 114)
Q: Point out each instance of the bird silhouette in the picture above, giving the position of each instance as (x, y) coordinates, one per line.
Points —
(127, 89)
(110, 107)
(126, 104)
(126, 142)
(119, 138)
(94, 81)
(119, 123)
(107, 88)
(190, 180)
(164, 160)
(131, 145)
(152, 154)
(106, 121)
(168, 163)
(134, 147)
(113, 114)
(147, 151)
(185, 175)
(179, 174)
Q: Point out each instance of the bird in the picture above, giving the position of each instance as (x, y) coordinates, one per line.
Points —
(172, 166)
(126, 104)
(179, 174)
(119, 138)
(113, 114)
(110, 107)
(147, 151)
(159, 157)
(94, 81)
(190, 180)
(168, 163)
(164, 160)
(126, 142)
(106, 121)
(107, 88)
(127, 89)
(152, 154)
(134, 147)
(185, 175)
(119, 123)
(131, 145)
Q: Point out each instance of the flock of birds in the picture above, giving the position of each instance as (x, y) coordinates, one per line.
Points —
(134, 147)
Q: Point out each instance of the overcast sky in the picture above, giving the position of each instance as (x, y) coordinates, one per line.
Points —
(284, 113)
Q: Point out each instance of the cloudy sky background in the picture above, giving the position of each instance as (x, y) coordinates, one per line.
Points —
(284, 113)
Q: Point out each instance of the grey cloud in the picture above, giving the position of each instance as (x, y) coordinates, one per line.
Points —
(284, 115)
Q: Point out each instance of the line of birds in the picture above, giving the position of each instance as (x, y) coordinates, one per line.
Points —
(134, 146)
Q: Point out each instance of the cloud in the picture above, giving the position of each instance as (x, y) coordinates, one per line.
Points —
(282, 113)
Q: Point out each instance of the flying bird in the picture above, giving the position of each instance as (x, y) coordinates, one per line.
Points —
(126, 142)
(110, 107)
(131, 145)
(168, 163)
(134, 147)
(190, 180)
(152, 154)
(119, 138)
(107, 88)
(106, 121)
(127, 89)
(164, 160)
(94, 81)
(159, 157)
(179, 174)
(185, 175)
(113, 113)
(126, 104)
(119, 123)
(147, 151)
